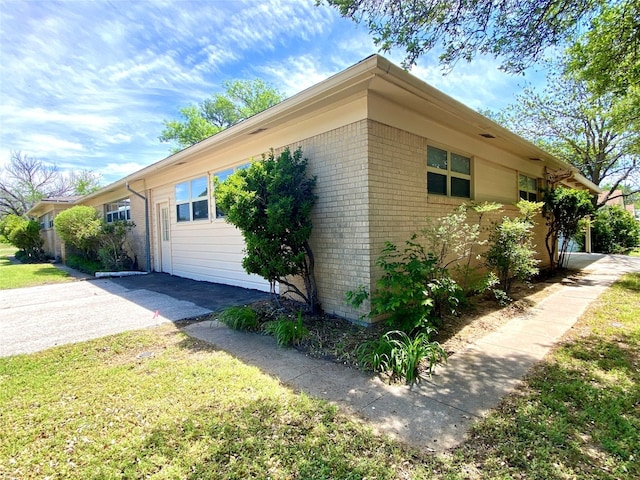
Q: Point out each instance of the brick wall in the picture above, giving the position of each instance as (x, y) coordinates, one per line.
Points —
(371, 188)
(340, 238)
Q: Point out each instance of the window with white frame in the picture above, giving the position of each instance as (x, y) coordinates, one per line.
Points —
(448, 173)
(220, 177)
(528, 188)
(192, 200)
(120, 210)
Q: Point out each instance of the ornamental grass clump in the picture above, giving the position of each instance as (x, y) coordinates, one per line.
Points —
(286, 331)
(239, 318)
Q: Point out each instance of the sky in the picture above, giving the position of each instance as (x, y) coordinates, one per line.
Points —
(87, 85)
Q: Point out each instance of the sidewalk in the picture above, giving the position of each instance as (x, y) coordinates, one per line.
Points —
(436, 413)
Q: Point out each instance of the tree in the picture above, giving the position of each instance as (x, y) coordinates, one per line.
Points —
(517, 31)
(607, 54)
(85, 182)
(270, 202)
(80, 227)
(26, 180)
(585, 129)
(563, 209)
(614, 230)
(24, 235)
(241, 99)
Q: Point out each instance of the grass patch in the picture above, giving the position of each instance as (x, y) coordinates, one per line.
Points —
(635, 253)
(26, 274)
(577, 415)
(161, 405)
(157, 404)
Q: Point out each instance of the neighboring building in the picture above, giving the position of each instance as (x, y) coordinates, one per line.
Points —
(617, 198)
(45, 211)
(387, 149)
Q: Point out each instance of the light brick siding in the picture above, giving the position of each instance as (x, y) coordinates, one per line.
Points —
(371, 188)
(340, 238)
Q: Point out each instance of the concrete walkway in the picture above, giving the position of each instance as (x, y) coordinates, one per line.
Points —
(436, 413)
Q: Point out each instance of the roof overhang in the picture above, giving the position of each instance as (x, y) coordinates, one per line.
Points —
(41, 205)
(377, 74)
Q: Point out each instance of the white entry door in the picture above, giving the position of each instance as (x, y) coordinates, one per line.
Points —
(164, 224)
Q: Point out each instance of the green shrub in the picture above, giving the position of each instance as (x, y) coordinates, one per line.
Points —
(270, 203)
(112, 252)
(413, 291)
(286, 331)
(239, 318)
(80, 227)
(511, 253)
(614, 230)
(453, 241)
(25, 236)
(400, 354)
(82, 264)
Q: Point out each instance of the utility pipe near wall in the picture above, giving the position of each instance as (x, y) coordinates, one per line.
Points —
(146, 224)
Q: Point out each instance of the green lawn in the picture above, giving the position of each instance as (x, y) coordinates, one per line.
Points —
(26, 275)
(157, 404)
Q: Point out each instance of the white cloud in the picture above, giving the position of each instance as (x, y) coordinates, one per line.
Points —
(114, 171)
(479, 84)
(294, 74)
(49, 143)
(91, 82)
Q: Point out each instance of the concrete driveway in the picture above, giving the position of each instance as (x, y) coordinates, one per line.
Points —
(36, 318)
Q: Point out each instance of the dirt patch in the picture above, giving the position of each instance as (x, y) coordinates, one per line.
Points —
(336, 339)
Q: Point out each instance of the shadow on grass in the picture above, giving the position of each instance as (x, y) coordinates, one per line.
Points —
(576, 416)
(256, 438)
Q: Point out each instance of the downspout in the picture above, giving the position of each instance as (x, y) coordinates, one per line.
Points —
(146, 224)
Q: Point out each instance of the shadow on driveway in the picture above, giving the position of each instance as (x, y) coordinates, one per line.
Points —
(212, 296)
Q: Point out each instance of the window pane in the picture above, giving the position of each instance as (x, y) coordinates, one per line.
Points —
(182, 192)
(460, 187)
(199, 188)
(533, 197)
(522, 182)
(165, 224)
(460, 164)
(436, 183)
(523, 194)
(436, 158)
(182, 211)
(223, 175)
(201, 210)
(533, 185)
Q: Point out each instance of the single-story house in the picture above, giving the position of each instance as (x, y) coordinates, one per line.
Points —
(387, 149)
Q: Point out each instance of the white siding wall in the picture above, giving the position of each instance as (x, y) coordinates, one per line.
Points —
(210, 250)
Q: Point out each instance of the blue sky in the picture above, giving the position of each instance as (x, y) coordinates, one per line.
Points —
(87, 85)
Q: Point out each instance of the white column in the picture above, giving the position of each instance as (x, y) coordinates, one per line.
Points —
(587, 236)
